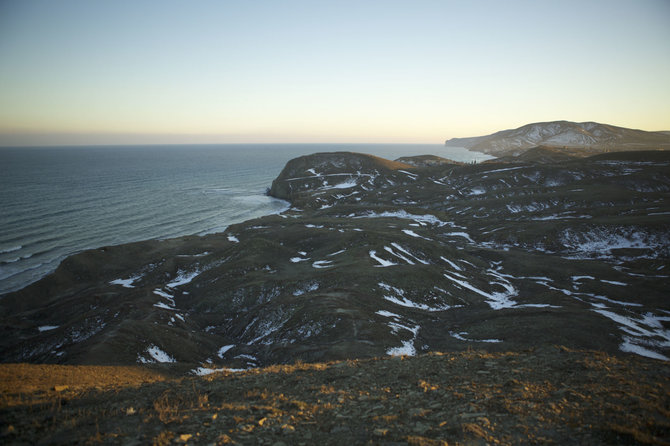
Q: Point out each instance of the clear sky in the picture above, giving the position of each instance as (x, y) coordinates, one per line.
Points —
(139, 71)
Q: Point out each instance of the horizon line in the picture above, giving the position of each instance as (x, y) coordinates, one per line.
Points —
(21, 146)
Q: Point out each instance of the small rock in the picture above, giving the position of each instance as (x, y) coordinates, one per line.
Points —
(183, 438)
(380, 432)
(287, 429)
(339, 430)
(421, 428)
(60, 388)
(473, 415)
(417, 412)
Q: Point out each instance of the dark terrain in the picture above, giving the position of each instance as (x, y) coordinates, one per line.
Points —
(496, 263)
(378, 257)
(551, 395)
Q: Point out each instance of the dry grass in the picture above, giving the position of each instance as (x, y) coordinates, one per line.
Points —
(551, 395)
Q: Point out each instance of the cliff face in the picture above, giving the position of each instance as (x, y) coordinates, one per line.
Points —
(586, 135)
(378, 258)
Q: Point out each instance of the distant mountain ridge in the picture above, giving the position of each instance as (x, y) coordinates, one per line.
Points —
(591, 136)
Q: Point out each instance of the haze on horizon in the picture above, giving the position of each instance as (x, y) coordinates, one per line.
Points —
(150, 72)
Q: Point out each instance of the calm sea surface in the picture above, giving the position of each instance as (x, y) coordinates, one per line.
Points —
(58, 201)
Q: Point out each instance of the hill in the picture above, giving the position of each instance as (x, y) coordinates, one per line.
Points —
(590, 136)
(378, 258)
(546, 395)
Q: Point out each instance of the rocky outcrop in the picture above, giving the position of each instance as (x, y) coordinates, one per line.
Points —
(378, 258)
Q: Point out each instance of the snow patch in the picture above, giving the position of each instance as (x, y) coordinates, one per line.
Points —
(414, 234)
(156, 355)
(298, 259)
(222, 351)
(629, 346)
(206, 253)
(599, 242)
(398, 297)
(461, 337)
(183, 278)
(127, 283)
(426, 219)
(614, 282)
(382, 263)
(407, 347)
(345, 185)
(641, 333)
(385, 313)
(400, 256)
(496, 300)
(452, 264)
(405, 251)
(306, 289)
(465, 235)
(320, 264)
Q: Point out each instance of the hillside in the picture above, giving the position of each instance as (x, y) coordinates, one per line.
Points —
(378, 258)
(590, 136)
(550, 395)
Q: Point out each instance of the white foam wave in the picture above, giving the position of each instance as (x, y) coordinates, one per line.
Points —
(12, 249)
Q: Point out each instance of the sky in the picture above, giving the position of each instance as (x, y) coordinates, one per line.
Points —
(155, 72)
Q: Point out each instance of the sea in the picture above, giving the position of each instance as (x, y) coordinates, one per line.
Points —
(58, 201)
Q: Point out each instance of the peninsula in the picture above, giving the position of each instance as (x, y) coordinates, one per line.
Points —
(542, 276)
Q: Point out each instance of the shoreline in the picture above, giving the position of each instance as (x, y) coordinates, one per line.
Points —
(61, 252)
(373, 258)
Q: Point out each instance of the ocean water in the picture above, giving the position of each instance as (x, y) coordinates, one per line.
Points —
(58, 201)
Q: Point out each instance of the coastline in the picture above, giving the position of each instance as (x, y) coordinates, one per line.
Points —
(373, 258)
(53, 196)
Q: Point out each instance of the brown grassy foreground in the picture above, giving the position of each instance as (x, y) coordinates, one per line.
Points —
(549, 395)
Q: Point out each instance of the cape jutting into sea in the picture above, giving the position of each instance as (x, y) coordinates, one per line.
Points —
(57, 201)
